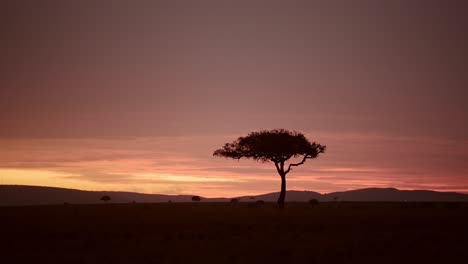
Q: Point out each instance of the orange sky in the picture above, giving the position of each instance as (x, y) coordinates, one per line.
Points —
(184, 165)
(136, 97)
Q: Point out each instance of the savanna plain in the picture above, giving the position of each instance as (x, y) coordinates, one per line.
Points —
(198, 232)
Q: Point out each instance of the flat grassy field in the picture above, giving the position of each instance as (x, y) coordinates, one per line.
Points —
(338, 232)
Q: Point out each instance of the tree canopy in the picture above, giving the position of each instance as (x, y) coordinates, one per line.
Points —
(278, 146)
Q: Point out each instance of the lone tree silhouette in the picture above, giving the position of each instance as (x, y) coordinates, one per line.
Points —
(277, 146)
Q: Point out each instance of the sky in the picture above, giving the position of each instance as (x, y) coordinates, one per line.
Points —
(136, 95)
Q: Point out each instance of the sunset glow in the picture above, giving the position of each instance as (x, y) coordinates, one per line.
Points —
(162, 165)
(137, 98)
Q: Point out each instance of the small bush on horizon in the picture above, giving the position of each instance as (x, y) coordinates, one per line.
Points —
(256, 204)
(314, 202)
(105, 198)
(196, 198)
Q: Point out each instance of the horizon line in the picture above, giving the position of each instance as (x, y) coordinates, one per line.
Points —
(292, 190)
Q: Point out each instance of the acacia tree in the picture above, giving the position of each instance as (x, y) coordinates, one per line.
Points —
(277, 146)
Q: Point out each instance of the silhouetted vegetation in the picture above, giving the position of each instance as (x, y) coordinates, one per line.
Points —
(256, 204)
(277, 146)
(105, 198)
(314, 202)
(196, 198)
(260, 202)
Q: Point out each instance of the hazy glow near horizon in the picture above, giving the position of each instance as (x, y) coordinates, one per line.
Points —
(136, 97)
(162, 165)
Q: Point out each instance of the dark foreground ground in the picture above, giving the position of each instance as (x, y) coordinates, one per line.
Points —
(222, 233)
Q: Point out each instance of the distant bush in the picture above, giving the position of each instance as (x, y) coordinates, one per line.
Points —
(257, 204)
(452, 205)
(234, 200)
(105, 198)
(314, 202)
(196, 198)
(428, 205)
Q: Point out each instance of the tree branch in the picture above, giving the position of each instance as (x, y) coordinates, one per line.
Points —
(320, 149)
(277, 167)
(297, 164)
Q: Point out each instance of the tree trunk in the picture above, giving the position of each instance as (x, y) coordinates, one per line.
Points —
(283, 191)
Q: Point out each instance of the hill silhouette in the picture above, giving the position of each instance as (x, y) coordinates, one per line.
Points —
(392, 194)
(368, 195)
(35, 195)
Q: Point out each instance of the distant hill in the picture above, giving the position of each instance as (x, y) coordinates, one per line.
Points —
(392, 194)
(370, 195)
(34, 195)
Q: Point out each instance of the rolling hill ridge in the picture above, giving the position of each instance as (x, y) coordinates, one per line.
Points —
(11, 195)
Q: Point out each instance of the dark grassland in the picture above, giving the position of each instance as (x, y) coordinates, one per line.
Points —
(243, 233)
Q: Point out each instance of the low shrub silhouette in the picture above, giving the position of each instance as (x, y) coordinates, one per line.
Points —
(105, 198)
(314, 202)
(196, 198)
(257, 204)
